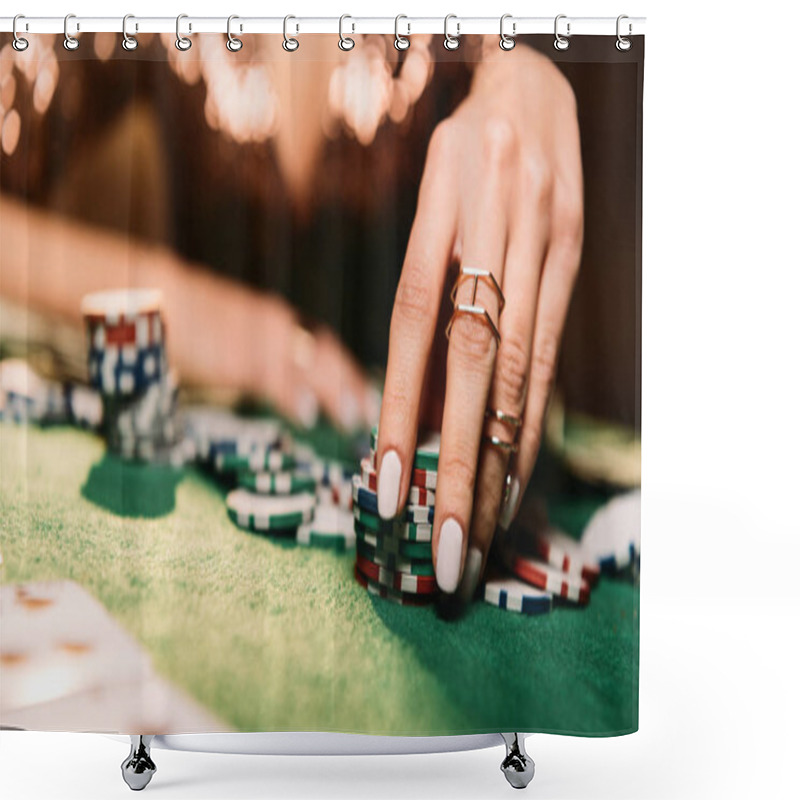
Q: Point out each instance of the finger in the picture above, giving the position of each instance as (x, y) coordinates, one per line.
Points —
(338, 382)
(558, 279)
(530, 224)
(414, 321)
(470, 359)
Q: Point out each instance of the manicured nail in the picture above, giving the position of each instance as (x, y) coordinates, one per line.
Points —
(389, 484)
(448, 556)
(472, 574)
(509, 508)
(348, 410)
(307, 408)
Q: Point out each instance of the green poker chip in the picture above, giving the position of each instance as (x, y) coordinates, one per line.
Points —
(426, 456)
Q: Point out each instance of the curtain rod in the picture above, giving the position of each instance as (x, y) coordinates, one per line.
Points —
(407, 26)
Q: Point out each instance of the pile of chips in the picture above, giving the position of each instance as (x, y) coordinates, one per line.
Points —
(394, 559)
(283, 488)
(25, 396)
(128, 366)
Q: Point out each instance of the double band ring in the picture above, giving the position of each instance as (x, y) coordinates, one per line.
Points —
(460, 309)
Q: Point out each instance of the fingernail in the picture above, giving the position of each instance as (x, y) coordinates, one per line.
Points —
(448, 556)
(510, 505)
(389, 484)
(472, 574)
(348, 410)
(307, 408)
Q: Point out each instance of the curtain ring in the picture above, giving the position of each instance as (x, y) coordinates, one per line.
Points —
(182, 42)
(451, 42)
(401, 42)
(561, 42)
(233, 44)
(507, 42)
(289, 44)
(623, 43)
(128, 42)
(19, 44)
(345, 42)
(70, 42)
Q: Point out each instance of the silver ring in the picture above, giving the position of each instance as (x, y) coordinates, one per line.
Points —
(507, 42)
(451, 42)
(496, 441)
(19, 44)
(128, 42)
(345, 42)
(70, 42)
(183, 43)
(233, 44)
(289, 44)
(623, 43)
(476, 275)
(401, 42)
(561, 42)
(501, 416)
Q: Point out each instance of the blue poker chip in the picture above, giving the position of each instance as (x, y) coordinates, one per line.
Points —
(126, 370)
(368, 500)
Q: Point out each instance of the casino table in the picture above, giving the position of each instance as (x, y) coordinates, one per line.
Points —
(272, 636)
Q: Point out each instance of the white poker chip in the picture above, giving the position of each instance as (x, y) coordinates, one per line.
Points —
(515, 595)
(269, 512)
(332, 526)
(612, 537)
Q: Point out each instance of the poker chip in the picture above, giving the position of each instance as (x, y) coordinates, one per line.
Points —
(257, 460)
(393, 562)
(402, 581)
(401, 529)
(612, 536)
(332, 527)
(422, 478)
(417, 495)
(392, 545)
(511, 594)
(367, 500)
(565, 553)
(393, 595)
(219, 431)
(426, 455)
(543, 576)
(328, 473)
(276, 483)
(265, 513)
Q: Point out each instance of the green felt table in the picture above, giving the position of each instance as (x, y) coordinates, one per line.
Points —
(271, 636)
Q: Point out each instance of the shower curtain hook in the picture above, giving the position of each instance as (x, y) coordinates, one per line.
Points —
(19, 44)
(451, 42)
(290, 44)
(345, 42)
(70, 42)
(182, 42)
(128, 42)
(623, 43)
(401, 42)
(507, 42)
(561, 42)
(233, 44)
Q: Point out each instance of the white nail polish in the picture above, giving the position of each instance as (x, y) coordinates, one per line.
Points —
(472, 574)
(307, 408)
(348, 410)
(448, 556)
(509, 508)
(389, 484)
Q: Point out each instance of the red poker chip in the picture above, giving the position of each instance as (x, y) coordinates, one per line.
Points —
(387, 593)
(401, 581)
(544, 576)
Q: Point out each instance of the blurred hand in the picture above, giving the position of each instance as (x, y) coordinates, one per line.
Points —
(502, 191)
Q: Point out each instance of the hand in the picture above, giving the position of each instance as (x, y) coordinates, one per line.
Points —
(501, 191)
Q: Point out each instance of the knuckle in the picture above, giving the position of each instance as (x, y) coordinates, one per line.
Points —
(511, 371)
(413, 301)
(472, 339)
(460, 471)
(568, 222)
(537, 178)
(499, 139)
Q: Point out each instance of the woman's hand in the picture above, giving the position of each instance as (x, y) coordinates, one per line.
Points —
(502, 191)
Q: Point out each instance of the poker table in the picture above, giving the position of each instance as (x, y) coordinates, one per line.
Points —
(272, 636)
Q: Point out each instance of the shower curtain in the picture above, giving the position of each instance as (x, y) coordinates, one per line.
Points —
(320, 382)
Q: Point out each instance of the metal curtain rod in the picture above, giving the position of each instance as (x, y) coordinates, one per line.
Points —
(598, 26)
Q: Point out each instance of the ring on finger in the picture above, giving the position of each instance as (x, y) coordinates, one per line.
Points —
(500, 444)
(477, 311)
(506, 419)
(476, 275)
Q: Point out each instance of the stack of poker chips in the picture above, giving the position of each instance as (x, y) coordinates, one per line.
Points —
(128, 366)
(283, 488)
(394, 559)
